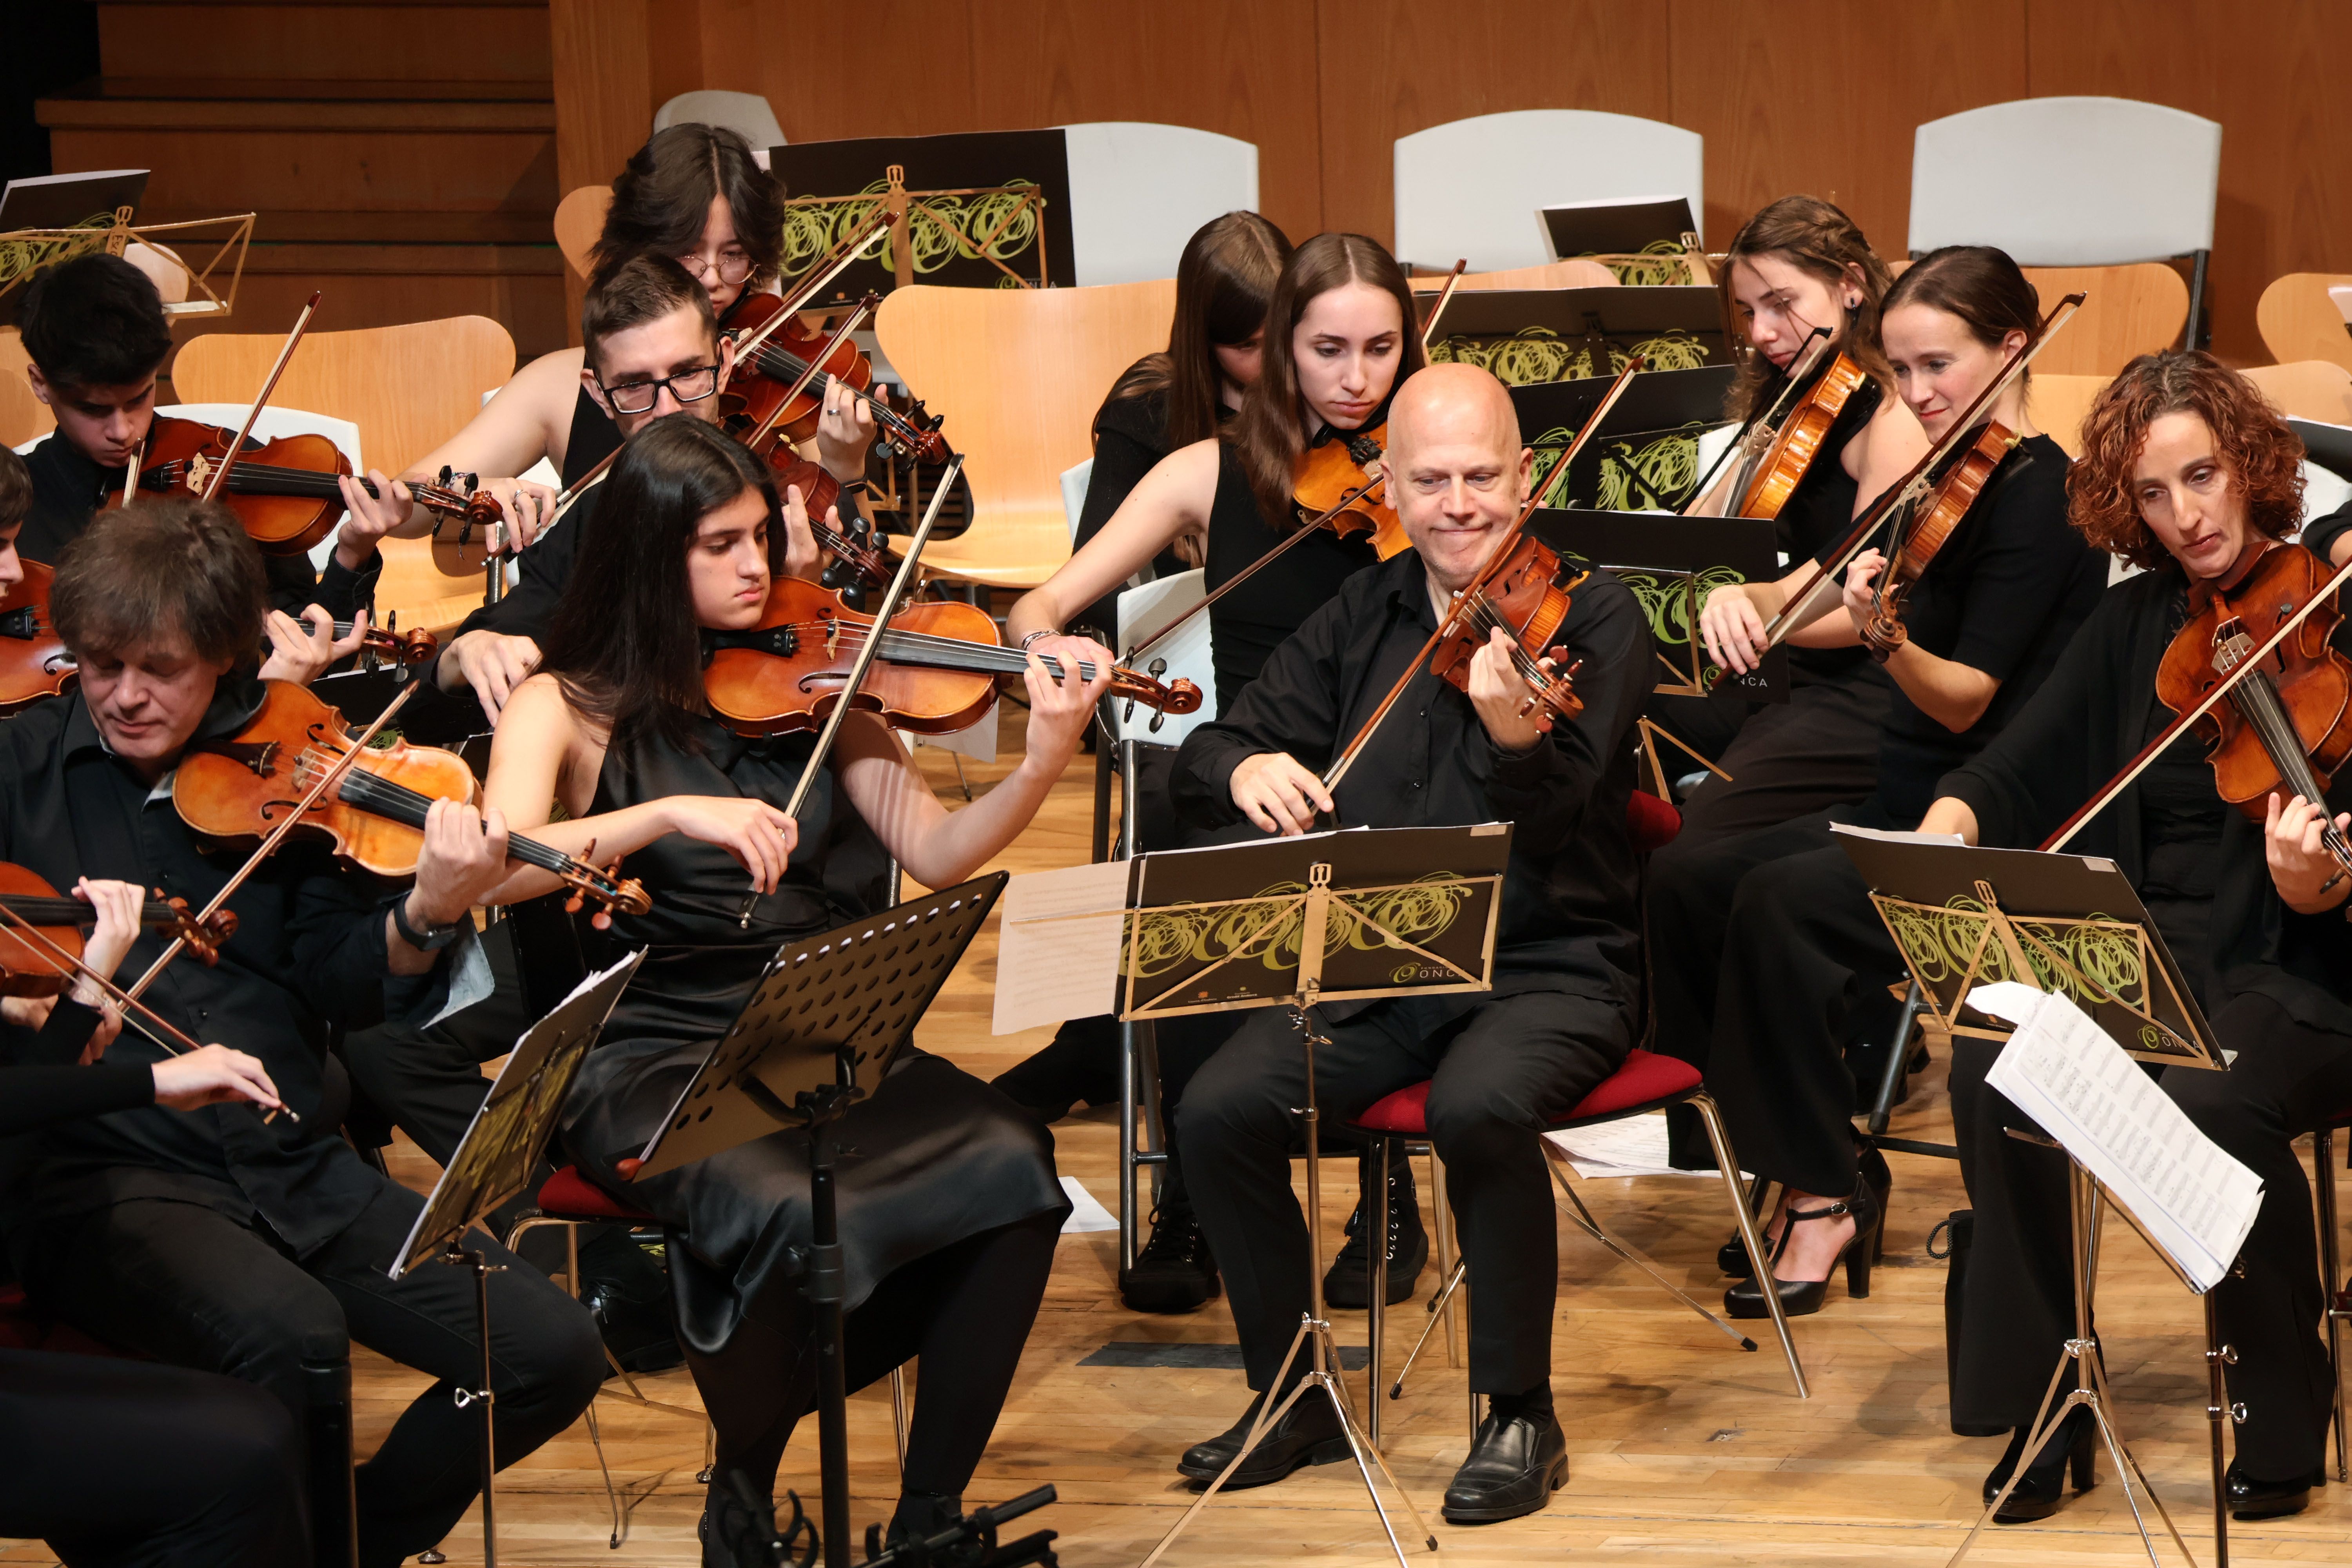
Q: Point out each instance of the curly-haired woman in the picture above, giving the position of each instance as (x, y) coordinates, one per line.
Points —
(2187, 472)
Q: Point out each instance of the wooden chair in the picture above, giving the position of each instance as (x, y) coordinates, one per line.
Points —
(2299, 322)
(23, 417)
(1577, 272)
(1017, 374)
(2308, 389)
(408, 388)
(2130, 310)
(579, 219)
(2056, 405)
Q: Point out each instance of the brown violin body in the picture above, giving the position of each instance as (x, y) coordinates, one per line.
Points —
(282, 490)
(1799, 440)
(2305, 685)
(1327, 473)
(1528, 598)
(33, 663)
(1936, 520)
(764, 375)
(29, 969)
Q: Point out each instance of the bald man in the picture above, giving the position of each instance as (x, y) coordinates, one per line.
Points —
(1560, 1016)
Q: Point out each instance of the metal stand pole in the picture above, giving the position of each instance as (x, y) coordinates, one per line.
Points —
(2216, 1405)
(825, 1294)
(484, 1398)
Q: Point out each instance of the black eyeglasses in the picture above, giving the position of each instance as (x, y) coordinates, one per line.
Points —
(690, 385)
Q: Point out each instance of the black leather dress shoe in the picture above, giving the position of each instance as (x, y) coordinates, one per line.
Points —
(2042, 1488)
(2251, 1499)
(1174, 1271)
(1513, 1468)
(1308, 1435)
(1348, 1281)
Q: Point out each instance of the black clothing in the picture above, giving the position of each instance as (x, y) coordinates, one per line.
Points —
(2320, 534)
(1247, 624)
(1568, 922)
(1560, 1019)
(1816, 519)
(39, 1095)
(68, 488)
(594, 437)
(1130, 437)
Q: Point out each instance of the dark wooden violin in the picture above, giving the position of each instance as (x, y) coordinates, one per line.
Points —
(28, 968)
(773, 387)
(935, 673)
(1789, 455)
(1916, 545)
(266, 777)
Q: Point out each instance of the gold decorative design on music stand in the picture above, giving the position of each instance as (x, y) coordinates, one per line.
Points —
(26, 251)
(927, 228)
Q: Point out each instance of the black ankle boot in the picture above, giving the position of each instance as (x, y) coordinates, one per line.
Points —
(1348, 1281)
(2252, 1499)
(628, 1293)
(922, 1514)
(1174, 1271)
(2042, 1488)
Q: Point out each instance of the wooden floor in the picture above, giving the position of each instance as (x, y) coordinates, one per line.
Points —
(1683, 1449)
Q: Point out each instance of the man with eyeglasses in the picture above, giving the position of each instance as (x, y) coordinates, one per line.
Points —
(652, 348)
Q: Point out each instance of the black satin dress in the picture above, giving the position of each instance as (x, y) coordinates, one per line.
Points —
(931, 1157)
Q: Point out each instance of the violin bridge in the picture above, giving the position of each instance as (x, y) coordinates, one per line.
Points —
(199, 471)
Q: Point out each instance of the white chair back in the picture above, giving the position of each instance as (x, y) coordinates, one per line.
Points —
(745, 112)
(1143, 611)
(1138, 189)
(2067, 182)
(1473, 188)
(274, 423)
(1074, 494)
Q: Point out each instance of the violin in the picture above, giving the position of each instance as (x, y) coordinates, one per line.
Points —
(283, 492)
(773, 386)
(1788, 457)
(1916, 547)
(1527, 597)
(26, 970)
(2287, 726)
(1328, 484)
(243, 786)
(859, 563)
(935, 673)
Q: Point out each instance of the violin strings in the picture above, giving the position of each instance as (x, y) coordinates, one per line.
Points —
(363, 788)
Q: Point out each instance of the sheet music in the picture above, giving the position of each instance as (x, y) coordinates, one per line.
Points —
(2191, 1196)
(1058, 949)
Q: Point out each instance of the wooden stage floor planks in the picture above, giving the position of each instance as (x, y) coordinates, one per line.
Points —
(1685, 1452)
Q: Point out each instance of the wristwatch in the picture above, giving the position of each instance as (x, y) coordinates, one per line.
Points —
(431, 940)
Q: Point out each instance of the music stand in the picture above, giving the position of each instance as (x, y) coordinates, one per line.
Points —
(1323, 919)
(494, 1162)
(1952, 911)
(826, 1019)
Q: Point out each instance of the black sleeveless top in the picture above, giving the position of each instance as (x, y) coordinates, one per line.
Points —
(1257, 617)
(1815, 519)
(594, 438)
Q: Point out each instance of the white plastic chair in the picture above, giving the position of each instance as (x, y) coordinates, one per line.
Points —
(1138, 189)
(2071, 182)
(1473, 188)
(1074, 494)
(745, 112)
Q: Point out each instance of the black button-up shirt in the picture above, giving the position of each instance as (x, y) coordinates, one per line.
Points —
(1568, 921)
(69, 488)
(310, 949)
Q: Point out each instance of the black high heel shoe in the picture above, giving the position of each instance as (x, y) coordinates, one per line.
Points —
(1800, 1297)
(1731, 1257)
(2042, 1488)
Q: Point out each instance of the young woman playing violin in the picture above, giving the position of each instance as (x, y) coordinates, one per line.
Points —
(1775, 956)
(1339, 336)
(1797, 268)
(2187, 472)
(953, 1207)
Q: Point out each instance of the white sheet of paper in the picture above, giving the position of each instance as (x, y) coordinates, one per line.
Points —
(1057, 953)
(1086, 1214)
(1888, 835)
(1628, 1146)
(2193, 1199)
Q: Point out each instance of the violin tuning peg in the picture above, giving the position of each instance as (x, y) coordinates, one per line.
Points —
(1159, 667)
(1156, 720)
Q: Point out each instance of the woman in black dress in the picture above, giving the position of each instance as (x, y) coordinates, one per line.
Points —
(1773, 945)
(1339, 335)
(950, 1206)
(2187, 472)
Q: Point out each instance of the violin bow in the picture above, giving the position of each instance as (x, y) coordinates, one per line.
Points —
(327, 781)
(816, 366)
(1817, 345)
(1444, 295)
(293, 341)
(1448, 624)
(1914, 485)
(867, 652)
(2170, 732)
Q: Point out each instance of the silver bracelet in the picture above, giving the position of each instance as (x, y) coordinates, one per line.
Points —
(1033, 636)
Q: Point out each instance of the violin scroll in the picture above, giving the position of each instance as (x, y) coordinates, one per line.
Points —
(604, 884)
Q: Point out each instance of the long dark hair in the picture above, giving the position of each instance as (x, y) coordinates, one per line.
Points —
(624, 645)
(662, 199)
(1223, 283)
(1817, 239)
(1976, 283)
(1267, 431)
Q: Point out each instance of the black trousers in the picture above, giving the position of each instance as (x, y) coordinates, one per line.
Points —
(1802, 951)
(121, 1464)
(2286, 1079)
(188, 1286)
(429, 1080)
(1498, 1074)
(1818, 750)
(965, 1310)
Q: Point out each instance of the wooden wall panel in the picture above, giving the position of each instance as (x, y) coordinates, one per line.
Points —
(326, 42)
(2269, 70)
(918, 84)
(1821, 96)
(1389, 68)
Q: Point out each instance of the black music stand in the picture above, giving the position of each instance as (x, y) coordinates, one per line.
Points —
(1953, 911)
(494, 1162)
(821, 1028)
(1365, 913)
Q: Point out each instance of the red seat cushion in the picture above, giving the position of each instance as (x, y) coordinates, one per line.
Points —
(1646, 1078)
(567, 1194)
(1651, 823)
